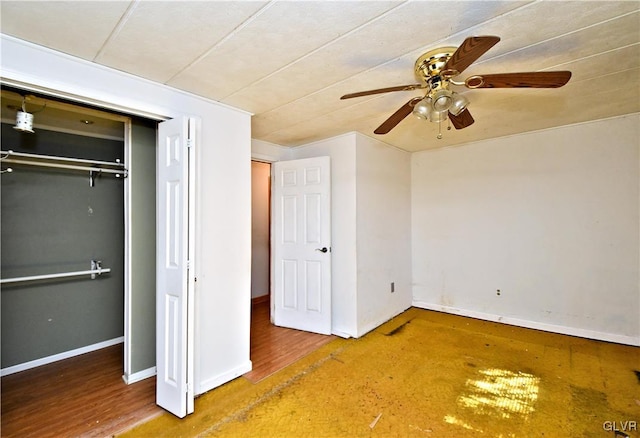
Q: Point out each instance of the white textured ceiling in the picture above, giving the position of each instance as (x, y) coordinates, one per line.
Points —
(288, 62)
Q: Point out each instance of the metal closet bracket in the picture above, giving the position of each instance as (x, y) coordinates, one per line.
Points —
(2, 158)
(93, 174)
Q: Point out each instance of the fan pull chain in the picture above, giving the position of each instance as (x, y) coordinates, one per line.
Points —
(439, 136)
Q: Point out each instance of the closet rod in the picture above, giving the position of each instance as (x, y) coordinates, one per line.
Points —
(92, 272)
(11, 157)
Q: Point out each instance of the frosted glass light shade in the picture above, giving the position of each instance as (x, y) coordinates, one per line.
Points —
(438, 116)
(442, 100)
(459, 104)
(423, 109)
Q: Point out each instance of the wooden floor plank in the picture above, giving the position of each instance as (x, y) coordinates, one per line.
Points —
(81, 396)
(273, 348)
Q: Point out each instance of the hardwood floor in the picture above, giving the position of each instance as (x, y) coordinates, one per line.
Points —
(86, 396)
(273, 348)
(81, 396)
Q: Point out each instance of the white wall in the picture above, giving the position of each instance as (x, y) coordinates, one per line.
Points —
(383, 227)
(551, 219)
(223, 264)
(223, 251)
(260, 221)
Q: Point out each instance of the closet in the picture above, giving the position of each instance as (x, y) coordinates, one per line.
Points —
(62, 238)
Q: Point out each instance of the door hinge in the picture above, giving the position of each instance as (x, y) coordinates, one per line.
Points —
(189, 142)
(188, 264)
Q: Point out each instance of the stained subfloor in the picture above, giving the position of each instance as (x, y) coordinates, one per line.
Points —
(431, 374)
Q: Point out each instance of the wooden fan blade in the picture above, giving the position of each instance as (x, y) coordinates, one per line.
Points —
(471, 49)
(397, 117)
(540, 79)
(384, 90)
(462, 120)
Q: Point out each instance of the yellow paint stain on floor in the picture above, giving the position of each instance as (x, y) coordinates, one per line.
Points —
(429, 374)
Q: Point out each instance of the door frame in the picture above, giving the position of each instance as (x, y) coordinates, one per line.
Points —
(268, 159)
(271, 159)
(270, 212)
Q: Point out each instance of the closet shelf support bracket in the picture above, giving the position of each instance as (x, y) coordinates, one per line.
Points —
(93, 174)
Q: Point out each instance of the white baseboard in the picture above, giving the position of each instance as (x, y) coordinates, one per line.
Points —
(60, 356)
(213, 382)
(140, 375)
(340, 333)
(560, 329)
(371, 326)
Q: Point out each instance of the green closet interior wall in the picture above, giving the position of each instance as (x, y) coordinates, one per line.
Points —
(54, 221)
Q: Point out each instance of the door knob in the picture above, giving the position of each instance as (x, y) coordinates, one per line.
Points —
(322, 249)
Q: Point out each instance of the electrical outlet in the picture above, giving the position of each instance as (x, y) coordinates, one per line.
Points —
(393, 286)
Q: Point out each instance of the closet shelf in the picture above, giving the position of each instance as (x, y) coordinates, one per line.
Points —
(92, 166)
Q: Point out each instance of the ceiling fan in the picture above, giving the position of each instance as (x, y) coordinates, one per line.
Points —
(436, 69)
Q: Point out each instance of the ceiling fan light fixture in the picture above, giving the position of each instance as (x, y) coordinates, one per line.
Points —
(438, 116)
(442, 100)
(436, 71)
(423, 109)
(459, 103)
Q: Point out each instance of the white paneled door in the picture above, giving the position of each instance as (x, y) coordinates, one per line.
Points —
(302, 244)
(175, 284)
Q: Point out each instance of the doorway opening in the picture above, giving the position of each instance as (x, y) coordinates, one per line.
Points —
(271, 348)
(260, 232)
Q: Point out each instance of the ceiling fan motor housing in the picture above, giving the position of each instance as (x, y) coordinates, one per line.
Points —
(431, 64)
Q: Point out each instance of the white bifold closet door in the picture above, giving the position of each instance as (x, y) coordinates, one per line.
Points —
(175, 279)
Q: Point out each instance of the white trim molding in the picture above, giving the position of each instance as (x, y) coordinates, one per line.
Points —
(341, 334)
(223, 378)
(560, 329)
(138, 376)
(375, 324)
(19, 54)
(60, 356)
